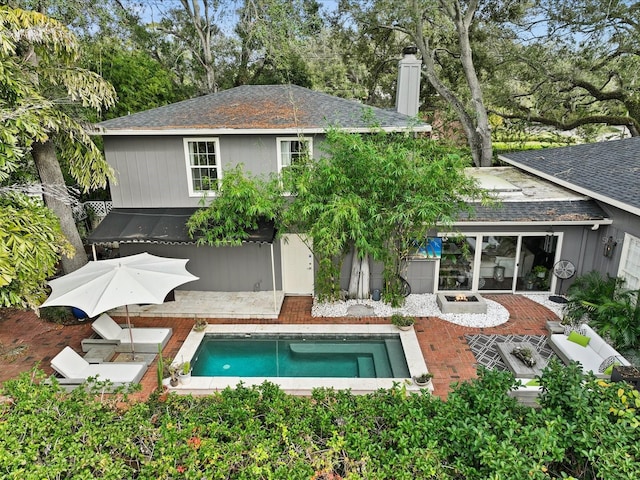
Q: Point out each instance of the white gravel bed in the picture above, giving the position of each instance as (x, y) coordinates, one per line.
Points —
(424, 305)
(417, 305)
(543, 299)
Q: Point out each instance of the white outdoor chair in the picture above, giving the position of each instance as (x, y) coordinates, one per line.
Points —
(75, 370)
(145, 340)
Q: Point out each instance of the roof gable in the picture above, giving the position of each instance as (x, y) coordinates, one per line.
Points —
(265, 108)
(607, 171)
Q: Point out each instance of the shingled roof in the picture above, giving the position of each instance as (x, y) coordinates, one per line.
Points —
(259, 108)
(553, 212)
(606, 171)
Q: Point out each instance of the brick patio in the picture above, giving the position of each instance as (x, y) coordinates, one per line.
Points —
(26, 341)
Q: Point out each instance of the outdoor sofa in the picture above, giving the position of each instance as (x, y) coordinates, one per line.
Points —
(75, 370)
(145, 340)
(588, 348)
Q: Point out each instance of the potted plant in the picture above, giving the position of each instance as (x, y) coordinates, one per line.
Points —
(540, 271)
(403, 322)
(173, 375)
(529, 281)
(200, 325)
(423, 379)
(525, 355)
(184, 372)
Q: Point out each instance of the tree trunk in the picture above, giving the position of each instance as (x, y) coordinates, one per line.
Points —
(44, 156)
(483, 146)
(475, 123)
(202, 25)
(359, 280)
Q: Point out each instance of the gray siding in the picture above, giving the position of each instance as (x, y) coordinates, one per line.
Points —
(227, 269)
(151, 171)
(581, 246)
(623, 222)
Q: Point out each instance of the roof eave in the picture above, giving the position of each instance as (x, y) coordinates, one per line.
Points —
(480, 223)
(249, 131)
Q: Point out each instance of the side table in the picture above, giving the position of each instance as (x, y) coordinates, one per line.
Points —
(554, 327)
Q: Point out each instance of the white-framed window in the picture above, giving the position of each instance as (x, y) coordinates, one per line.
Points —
(202, 157)
(293, 149)
(629, 267)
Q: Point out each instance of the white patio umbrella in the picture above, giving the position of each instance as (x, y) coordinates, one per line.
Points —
(102, 285)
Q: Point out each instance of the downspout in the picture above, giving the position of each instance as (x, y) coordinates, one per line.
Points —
(583, 251)
(273, 279)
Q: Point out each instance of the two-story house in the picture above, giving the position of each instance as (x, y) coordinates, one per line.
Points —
(168, 159)
(564, 207)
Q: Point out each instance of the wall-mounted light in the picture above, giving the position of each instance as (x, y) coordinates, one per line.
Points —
(609, 245)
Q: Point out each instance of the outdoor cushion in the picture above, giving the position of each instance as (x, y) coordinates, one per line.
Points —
(608, 363)
(72, 366)
(609, 369)
(581, 340)
(144, 339)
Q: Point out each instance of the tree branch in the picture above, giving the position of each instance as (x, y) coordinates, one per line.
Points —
(630, 123)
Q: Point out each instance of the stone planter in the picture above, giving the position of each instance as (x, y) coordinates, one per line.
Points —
(185, 378)
(422, 380)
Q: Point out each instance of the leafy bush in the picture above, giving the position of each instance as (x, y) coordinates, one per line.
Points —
(400, 320)
(607, 306)
(619, 319)
(585, 428)
(590, 289)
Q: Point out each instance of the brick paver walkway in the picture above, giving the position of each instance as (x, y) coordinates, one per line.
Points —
(27, 341)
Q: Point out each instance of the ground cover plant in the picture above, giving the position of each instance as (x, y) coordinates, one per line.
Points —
(585, 428)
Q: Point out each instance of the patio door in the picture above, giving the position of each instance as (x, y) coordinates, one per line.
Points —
(518, 262)
(499, 263)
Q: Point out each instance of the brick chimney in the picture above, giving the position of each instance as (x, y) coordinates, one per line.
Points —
(408, 86)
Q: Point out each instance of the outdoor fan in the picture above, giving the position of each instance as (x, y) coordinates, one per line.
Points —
(563, 269)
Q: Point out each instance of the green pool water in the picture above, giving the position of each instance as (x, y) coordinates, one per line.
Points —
(301, 356)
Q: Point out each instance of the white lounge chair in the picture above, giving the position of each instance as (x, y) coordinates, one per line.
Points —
(75, 370)
(145, 340)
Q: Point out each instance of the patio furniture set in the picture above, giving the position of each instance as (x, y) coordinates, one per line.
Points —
(100, 286)
(111, 339)
(571, 344)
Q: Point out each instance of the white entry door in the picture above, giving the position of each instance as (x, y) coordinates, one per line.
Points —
(297, 266)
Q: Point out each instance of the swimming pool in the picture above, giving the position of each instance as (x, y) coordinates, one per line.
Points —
(348, 356)
(202, 383)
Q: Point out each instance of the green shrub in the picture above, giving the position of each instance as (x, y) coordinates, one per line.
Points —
(585, 428)
(400, 320)
(586, 290)
(604, 303)
(618, 319)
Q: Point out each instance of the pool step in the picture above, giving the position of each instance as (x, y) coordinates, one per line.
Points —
(366, 367)
(396, 358)
(382, 367)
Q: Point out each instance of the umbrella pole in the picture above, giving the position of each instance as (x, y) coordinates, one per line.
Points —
(133, 354)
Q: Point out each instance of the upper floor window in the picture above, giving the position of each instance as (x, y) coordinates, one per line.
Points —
(292, 150)
(203, 164)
